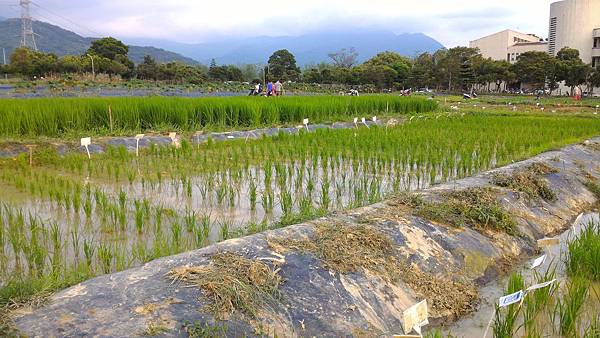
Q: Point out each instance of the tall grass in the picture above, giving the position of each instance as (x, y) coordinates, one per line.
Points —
(583, 254)
(53, 116)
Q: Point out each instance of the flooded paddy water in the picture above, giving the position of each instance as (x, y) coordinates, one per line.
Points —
(66, 218)
(547, 319)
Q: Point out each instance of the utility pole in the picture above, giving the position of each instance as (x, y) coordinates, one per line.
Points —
(93, 70)
(27, 35)
(4, 56)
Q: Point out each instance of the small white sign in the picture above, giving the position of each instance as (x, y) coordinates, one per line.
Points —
(172, 136)
(139, 136)
(355, 120)
(375, 119)
(415, 316)
(305, 122)
(541, 286)
(538, 262)
(511, 299)
(230, 137)
(364, 120)
(86, 141)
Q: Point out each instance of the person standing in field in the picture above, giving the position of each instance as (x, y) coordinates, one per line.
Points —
(278, 88)
(269, 88)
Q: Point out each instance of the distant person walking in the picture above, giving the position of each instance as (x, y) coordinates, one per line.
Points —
(278, 88)
(578, 93)
(270, 88)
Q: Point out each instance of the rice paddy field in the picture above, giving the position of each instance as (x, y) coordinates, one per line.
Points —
(65, 218)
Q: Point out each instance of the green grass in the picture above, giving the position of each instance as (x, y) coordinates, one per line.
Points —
(55, 116)
(583, 255)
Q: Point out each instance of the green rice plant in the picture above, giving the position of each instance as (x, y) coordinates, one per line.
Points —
(105, 256)
(593, 331)
(53, 116)
(570, 306)
(538, 300)
(583, 254)
(506, 318)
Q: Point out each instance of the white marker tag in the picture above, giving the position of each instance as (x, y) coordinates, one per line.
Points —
(305, 122)
(86, 141)
(510, 299)
(538, 262)
(546, 242)
(541, 286)
(578, 219)
(364, 120)
(414, 316)
(172, 136)
(230, 137)
(375, 119)
(355, 120)
(139, 136)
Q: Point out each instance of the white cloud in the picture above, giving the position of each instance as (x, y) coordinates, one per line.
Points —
(453, 22)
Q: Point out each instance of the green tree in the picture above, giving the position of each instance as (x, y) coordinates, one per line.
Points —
(282, 66)
(534, 68)
(594, 78)
(421, 72)
(108, 48)
(380, 65)
(148, 69)
(571, 68)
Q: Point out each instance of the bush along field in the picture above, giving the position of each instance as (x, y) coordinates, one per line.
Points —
(64, 219)
(54, 117)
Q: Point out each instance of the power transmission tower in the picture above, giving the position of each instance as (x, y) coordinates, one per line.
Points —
(27, 35)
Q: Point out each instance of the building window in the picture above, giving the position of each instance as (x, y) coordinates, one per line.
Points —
(596, 62)
(552, 37)
(596, 42)
(508, 57)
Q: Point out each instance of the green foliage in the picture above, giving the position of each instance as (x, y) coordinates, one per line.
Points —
(583, 255)
(282, 66)
(54, 116)
(535, 68)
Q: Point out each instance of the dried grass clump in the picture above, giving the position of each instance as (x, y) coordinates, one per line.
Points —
(474, 207)
(529, 180)
(233, 283)
(348, 248)
(447, 298)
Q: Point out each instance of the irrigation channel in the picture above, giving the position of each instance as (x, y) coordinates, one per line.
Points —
(352, 273)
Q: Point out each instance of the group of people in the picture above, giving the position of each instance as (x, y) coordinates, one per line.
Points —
(273, 89)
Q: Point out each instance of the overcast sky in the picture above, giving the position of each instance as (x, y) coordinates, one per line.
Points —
(452, 22)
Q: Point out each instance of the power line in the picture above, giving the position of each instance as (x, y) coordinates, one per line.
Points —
(65, 19)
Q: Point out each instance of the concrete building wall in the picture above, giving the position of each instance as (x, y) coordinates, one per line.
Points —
(518, 49)
(496, 46)
(572, 24)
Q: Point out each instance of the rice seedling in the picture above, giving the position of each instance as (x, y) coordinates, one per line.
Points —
(570, 306)
(505, 319)
(583, 254)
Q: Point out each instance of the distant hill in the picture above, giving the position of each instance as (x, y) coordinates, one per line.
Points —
(53, 39)
(307, 48)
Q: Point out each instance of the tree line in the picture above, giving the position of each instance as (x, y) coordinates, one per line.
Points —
(454, 69)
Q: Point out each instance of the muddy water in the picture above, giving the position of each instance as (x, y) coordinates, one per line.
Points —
(475, 324)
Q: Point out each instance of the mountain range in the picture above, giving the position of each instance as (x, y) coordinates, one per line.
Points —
(54, 39)
(308, 48)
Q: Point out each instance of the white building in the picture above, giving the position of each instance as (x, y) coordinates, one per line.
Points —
(508, 45)
(576, 24)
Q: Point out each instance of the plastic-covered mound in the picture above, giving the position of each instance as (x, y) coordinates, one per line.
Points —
(99, 145)
(319, 294)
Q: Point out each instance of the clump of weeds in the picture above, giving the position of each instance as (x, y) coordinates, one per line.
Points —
(529, 181)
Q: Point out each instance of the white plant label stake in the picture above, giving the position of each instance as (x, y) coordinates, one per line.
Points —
(138, 137)
(356, 122)
(511, 299)
(172, 136)
(541, 286)
(375, 119)
(538, 262)
(415, 317)
(364, 121)
(86, 142)
(305, 123)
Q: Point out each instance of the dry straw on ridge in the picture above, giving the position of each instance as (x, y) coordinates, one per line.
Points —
(233, 283)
